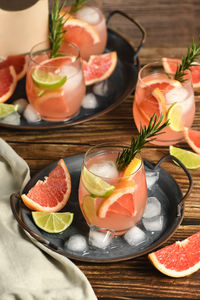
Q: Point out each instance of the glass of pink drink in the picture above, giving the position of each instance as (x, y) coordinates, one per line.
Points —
(90, 13)
(55, 87)
(158, 92)
(111, 200)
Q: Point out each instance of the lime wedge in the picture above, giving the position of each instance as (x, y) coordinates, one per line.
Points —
(95, 185)
(190, 159)
(174, 115)
(7, 109)
(48, 80)
(52, 222)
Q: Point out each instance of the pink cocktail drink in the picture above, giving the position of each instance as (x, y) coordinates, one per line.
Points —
(158, 92)
(83, 36)
(110, 199)
(55, 87)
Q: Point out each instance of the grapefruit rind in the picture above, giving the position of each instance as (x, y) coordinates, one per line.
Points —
(188, 138)
(33, 205)
(184, 257)
(13, 84)
(95, 69)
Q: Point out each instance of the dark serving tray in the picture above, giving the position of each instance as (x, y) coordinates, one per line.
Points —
(166, 190)
(120, 84)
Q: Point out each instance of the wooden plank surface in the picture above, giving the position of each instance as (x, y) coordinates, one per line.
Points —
(170, 26)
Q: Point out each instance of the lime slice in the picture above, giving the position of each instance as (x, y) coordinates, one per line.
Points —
(48, 80)
(52, 222)
(95, 185)
(190, 159)
(7, 109)
(89, 206)
(174, 115)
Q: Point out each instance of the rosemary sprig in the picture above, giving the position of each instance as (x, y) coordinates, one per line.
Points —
(77, 5)
(187, 61)
(146, 135)
(57, 32)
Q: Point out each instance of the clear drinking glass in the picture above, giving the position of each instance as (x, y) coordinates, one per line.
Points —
(55, 87)
(111, 200)
(158, 92)
(94, 42)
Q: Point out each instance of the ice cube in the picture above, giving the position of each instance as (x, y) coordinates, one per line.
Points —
(101, 88)
(106, 169)
(88, 14)
(31, 115)
(22, 104)
(153, 208)
(177, 94)
(151, 177)
(135, 236)
(76, 242)
(74, 76)
(12, 119)
(89, 101)
(153, 224)
(99, 239)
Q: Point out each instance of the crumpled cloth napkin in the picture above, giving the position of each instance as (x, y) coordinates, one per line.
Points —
(26, 272)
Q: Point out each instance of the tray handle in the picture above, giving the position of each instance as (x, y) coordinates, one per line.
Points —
(15, 203)
(142, 30)
(173, 158)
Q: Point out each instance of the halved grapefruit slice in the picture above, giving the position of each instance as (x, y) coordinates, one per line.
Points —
(52, 194)
(179, 259)
(193, 139)
(99, 67)
(19, 62)
(8, 82)
(170, 65)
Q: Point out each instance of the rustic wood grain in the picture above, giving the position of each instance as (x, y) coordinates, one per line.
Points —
(170, 25)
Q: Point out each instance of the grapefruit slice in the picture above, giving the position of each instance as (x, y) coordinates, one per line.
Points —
(8, 82)
(179, 259)
(120, 202)
(99, 67)
(52, 194)
(19, 62)
(170, 65)
(193, 139)
(80, 32)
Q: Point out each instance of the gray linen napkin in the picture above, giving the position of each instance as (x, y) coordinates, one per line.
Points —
(26, 272)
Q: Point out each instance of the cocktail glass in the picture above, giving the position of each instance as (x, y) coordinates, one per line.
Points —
(55, 87)
(111, 200)
(158, 92)
(90, 13)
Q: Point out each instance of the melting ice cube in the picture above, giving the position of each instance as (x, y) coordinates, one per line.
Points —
(77, 243)
(101, 88)
(12, 119)
(99, 239)
(177, 94)
(135, 236)
(22, 104)
(152, 177)
(153, 224)
(106, 169)
(30, 114)
(153, 208)
(89, 101)
(88, 14)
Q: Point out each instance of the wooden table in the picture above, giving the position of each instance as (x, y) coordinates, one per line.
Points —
(136, 278)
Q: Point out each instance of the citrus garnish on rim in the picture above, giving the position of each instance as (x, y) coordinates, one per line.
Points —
(48, 80)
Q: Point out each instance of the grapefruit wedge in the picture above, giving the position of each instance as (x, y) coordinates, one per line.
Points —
(8, 82)
(52, 194)
(99, 67)
(179, 259)
(193, 139)
(170, 65)
(19, 62)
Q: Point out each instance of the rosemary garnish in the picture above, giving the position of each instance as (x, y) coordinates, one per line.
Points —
(57, 32)
(77, 5)
(146, 135)
(187, 61)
